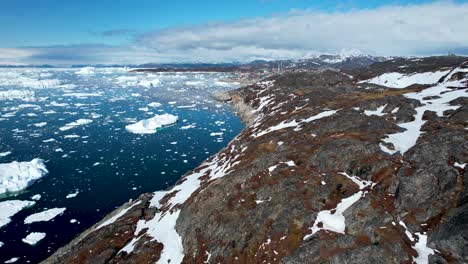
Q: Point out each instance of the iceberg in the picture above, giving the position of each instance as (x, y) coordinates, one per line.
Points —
(78, 122)
(24, 95)
(44, 216)
(149, 83)
(86, 71)
(149, 126)
(16, 176)
(9, 208)
(34, 238)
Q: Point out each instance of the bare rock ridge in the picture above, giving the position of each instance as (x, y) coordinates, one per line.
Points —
(353, 166)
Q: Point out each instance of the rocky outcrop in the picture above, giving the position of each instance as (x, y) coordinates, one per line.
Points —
(330, 169)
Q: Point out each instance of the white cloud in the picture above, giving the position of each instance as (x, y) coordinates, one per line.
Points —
(396, 30)
(424, 29)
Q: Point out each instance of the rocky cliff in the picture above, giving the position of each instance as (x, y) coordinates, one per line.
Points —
(355, 166)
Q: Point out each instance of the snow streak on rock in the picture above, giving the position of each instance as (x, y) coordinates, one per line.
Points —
(334, 220)
(436, 99)
(294, 123)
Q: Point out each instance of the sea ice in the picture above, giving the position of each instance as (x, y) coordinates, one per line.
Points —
(34, 238)
(41, 124)
(154, 104)
(4, 154)
(36, 197)
(12, 260)
(43, 216)
(9, 208)
(85, 71)
(72, 195)
(78, 122)
(24, 95)
(149, 126)
(16, 176)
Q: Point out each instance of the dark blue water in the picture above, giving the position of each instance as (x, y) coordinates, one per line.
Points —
(106, 164)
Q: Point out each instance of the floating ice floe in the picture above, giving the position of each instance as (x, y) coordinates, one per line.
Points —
(44, 216)
(12, 260)
(34, 238)
(36, 197)
(31, 82)
(9, 208)
(86, 71)
(216, 134)
(83, 95)
(1, 244)
(420, 245)
(72, 195)
(41, 124)
(71, 136)
(16, 176)
(78, 122)
(149, 126)
(24, 95)
(401, 80)
(4, 154)
(188, 126)
(149, 83)
(154, 104)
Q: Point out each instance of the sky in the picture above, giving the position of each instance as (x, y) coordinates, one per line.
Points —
(133, 32)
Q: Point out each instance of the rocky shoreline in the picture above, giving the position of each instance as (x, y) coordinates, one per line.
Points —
(332, 167)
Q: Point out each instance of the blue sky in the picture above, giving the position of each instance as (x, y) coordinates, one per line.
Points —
(53, 31)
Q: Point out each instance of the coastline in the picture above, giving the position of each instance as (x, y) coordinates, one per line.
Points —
(140, 208)
(316, 146)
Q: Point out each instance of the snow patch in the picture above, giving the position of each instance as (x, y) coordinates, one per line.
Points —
(334, 220)
(439, 98)
(401, 80)
(378, 112)
(24, 95)
(77, 123)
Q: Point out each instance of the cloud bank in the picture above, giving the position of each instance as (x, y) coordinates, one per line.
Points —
(424, 29)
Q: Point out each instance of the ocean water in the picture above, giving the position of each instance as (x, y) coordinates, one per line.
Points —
(101, 162)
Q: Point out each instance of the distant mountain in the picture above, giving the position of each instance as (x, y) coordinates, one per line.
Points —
(314, 62)
(320, 61)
